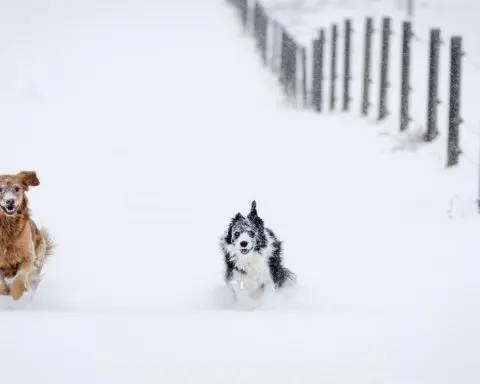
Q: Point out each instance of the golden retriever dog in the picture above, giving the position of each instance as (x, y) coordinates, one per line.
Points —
(23, 247)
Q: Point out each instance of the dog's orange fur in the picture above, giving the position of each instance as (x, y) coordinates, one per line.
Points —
(23, 247)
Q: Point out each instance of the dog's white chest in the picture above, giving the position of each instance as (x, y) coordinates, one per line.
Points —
(253, 273)
(258, 270)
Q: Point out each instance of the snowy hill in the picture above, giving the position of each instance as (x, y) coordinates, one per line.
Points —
(150, 125)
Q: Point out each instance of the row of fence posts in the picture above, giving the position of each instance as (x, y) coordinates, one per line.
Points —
(284, 56)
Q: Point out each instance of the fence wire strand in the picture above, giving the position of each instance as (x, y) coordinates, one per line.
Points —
(472, 162)
(472, 63)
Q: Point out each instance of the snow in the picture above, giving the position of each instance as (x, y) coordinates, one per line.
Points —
(150, 125)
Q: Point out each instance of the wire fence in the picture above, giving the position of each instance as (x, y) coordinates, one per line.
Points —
(301, 71)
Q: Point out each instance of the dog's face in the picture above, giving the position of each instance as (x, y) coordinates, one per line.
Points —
(13, 188)
(245, 234)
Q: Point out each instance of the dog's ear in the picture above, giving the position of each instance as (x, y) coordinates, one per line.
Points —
(237, 217)
(253, 210)
(228, 237)
(253, 216)
(28, 179)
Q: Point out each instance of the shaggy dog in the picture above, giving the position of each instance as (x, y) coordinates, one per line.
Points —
(253, 259)
(23, 247)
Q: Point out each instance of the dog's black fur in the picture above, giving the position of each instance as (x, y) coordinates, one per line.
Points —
(264, 237)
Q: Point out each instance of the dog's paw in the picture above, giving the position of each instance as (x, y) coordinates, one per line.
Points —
(18, 287)
(4, 290)
(248, 305)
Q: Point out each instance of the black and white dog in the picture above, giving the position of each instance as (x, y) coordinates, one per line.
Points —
(253, 259)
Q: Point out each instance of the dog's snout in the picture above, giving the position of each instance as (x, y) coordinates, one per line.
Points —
(243, 244)
(10, 202)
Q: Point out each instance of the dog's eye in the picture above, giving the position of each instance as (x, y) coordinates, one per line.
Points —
(1, 190)
(17, 188)
(251, 234)
(236, 234)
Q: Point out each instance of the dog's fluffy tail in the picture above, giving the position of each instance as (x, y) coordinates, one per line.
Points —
(35, 275)
(289, 278)
(49, 245)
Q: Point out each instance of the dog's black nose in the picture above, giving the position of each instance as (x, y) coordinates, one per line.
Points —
(10, 202)
(243, 244)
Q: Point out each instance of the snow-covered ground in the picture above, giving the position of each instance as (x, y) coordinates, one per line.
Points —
(150, 125)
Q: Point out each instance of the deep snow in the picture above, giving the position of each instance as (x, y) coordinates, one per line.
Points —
(150, 125)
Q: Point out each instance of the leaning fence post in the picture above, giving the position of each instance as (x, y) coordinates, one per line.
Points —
(367, 78)
(283, 57)
(303, 56)
(277, 59)
(454, 118)
(273, 46)
(256, 24)
(317, 71)
(250, 16)
(384, 83)
(244, 12)
(347, 76)
(254, 21)
(405, 87)
(333, 67)
(293, 69)
(264, 35)
(289, 65)
(287, 61)
(279, 49)
(433, 101)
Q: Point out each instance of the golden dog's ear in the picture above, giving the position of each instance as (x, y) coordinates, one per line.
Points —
(28, 179)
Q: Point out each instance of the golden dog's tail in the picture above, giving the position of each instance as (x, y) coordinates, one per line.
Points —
(43, 256)
(49, 245)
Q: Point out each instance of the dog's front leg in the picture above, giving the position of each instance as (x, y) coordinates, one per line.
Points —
(4, 290)
(269, 290)
(242, 295)
(269, 293)
(19, 285)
